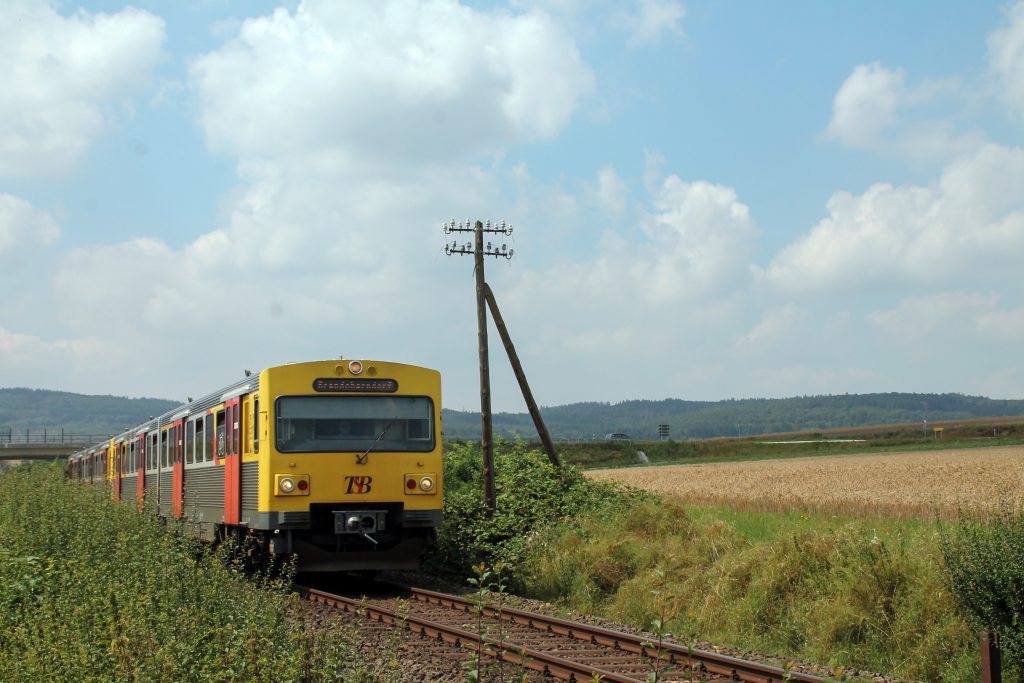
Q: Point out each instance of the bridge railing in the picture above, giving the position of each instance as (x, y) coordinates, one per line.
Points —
(46, 437)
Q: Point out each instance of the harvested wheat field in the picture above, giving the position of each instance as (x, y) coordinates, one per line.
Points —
(911, 484)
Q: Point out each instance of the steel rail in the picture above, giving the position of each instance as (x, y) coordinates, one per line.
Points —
(547, 664)
(672, 653)
(712, 662)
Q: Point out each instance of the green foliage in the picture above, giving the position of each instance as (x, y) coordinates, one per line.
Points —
(597, 454)
(837, 592)
(38, 409)
(531, 495)
(93, 590)
(735, 417)
(985, 564)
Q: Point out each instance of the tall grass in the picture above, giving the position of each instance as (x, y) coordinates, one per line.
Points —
(837, 592)
(904, 597)
(92, 590)
(868, 594)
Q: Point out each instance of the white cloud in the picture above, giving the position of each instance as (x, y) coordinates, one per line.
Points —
(28, 360)
(876, 109)
(611, 191)
(967, 227)
(1006, 57)
(124, 281)
(971, 333)
(388, 83)
(915, 319)
(777, 325)
(866, 104)
(655, 18)
(685, 264)
(22, 227)
(701, 241)
(355, 128)
(59, 75)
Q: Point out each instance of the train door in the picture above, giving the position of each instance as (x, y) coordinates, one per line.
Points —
(118, 459)
(177, 466)
(140, 459)
(232, 461)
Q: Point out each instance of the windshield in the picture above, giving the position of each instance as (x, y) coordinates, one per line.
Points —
(318, 424)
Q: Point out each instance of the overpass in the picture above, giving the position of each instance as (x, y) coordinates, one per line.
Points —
(44, 445)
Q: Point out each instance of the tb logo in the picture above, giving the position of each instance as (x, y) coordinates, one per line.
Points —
(358, 484)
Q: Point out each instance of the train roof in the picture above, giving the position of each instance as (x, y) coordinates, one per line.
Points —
(247, 384)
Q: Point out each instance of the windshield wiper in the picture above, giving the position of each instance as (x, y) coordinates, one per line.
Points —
(361, 459)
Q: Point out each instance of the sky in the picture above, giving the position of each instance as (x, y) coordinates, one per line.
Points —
(709, 200)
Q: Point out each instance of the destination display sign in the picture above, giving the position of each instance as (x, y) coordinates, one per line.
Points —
(346, 385)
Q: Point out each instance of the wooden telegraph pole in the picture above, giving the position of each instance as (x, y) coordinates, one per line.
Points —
(483, 294)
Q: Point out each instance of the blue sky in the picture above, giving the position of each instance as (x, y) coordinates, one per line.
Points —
(710, 199)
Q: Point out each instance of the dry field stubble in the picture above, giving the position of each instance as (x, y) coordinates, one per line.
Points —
(912, 484)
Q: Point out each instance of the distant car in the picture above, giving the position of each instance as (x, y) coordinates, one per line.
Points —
(617, 436)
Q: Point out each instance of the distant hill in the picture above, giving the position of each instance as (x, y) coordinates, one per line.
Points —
(735, 417)
(38, 409)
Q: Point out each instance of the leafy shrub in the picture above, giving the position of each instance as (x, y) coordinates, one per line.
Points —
(985, 566)
(531, 494)
(93, 590)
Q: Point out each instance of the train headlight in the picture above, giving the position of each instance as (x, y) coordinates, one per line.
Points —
(291, 484)
(355, 367)
(421, 484)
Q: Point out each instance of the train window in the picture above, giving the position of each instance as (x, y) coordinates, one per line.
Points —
(208, 439)
(190, 442)
(200, 441)
(164, 442)
(354, 423)
(221, 436)
(256, 425)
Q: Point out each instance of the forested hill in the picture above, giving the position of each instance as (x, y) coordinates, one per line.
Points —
(735, 417)
(39, 409)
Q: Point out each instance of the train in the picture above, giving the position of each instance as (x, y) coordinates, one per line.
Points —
(336, 463)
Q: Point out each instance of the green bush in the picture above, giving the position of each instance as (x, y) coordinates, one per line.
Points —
(531, 494)
(985, 565)
(93, 590)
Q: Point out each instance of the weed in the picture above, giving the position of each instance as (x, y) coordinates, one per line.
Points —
(91, 589)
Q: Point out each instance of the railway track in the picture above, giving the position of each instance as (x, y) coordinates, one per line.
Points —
(553, 647)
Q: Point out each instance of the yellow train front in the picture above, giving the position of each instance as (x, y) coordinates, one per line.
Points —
(338, 462)
(347, 465)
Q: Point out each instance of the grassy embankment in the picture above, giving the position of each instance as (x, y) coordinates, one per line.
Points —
(91, 590)
(867, 594)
